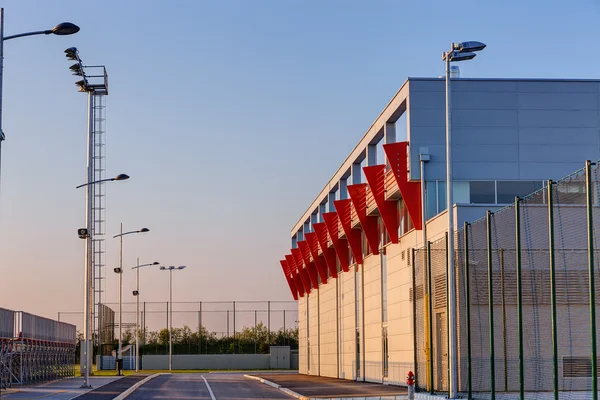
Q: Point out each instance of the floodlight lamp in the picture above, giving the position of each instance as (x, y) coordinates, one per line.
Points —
(82, 84)
(135, 293)
(461, 56)
(121, 177)
(71, 53)
(155, 263)
(65, 28)
(163, 268)
(76, 69)
(465, 47)
(181, 267)
(118, 270)
(144, 230)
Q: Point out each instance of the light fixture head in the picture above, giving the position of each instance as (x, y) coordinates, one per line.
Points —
(71, 53)
(461, 56)
(118, 270)
(181, 267)
(135, 293)
(163, 268)
(121, 177)
(82, 85)
(65, 28)
(76, 69)
(155, 263)
(465, 47)
(144, 230)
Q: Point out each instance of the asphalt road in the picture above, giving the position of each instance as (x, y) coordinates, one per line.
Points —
(192, 386)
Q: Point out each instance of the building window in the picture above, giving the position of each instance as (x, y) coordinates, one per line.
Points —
(507, 190)
(570, 193)
(366, 249)
(482, 192)
(307, 334)
(385, 351)
(404, 222)
(383, 287)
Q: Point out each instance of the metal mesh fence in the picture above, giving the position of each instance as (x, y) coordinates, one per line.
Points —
(202, 327)
(527, 293)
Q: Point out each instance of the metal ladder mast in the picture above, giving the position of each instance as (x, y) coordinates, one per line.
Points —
(99, 209)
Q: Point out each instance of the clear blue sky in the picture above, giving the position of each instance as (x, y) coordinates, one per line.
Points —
(230, 116)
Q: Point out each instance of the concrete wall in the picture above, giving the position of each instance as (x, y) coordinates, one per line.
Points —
(372, 351)
(347, 325)
(208, 361)
(313, 337)
(505, 129)
(302, 339)
(328, 329)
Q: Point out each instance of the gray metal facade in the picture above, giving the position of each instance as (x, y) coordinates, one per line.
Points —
(505, 129)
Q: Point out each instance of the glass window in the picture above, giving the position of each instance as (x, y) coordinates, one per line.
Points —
(483, 192)
(441, 195)
(432, 209)
(383, 287)
(570, 193)
(385, 354)
(507, 190)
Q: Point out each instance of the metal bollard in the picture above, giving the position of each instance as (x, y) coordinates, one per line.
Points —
(410, 383)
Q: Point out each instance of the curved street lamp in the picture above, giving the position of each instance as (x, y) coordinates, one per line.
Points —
(136, 293)
(119, 271)
(62, 29)
(120, 177)
(170, 269)
(88, 276)
(458, 52)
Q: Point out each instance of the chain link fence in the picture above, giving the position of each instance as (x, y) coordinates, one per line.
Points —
(527, 292)
(200, 327)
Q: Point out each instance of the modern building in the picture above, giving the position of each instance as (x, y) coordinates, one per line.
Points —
(349, 265)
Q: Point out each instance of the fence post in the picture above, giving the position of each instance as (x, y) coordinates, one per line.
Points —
(468, 310)
(447, 308)
(234, 342)
(519, 295)
(553, 288)
(590, 226)
(414, 290)
(268, 323)
(488, 221)
(167, 346)
(431, 390)
(503, 293)
(284, 332)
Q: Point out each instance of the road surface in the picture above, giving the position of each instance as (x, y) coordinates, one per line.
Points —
(215, 386)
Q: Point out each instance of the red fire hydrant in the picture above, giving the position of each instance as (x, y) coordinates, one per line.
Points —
(410, 383)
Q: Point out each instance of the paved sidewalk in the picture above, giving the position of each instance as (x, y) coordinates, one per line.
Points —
(320, 387)
(113, 389)
(65, 389)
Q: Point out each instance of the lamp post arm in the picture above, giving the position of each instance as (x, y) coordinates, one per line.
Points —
(94, 182)
(143, 265)
(46, 32)
(126, 233)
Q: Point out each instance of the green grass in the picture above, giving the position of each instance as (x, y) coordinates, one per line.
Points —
(157, 371)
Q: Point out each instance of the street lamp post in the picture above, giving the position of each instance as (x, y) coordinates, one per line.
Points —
(119, 271)
(458, 52)
(136, 293)
(88, 276)
(170, 269)
(65, 28)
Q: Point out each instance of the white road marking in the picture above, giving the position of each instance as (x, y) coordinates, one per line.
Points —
(212, 395)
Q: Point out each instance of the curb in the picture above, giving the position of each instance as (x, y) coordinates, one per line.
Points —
(137, 385)
(276, 386)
